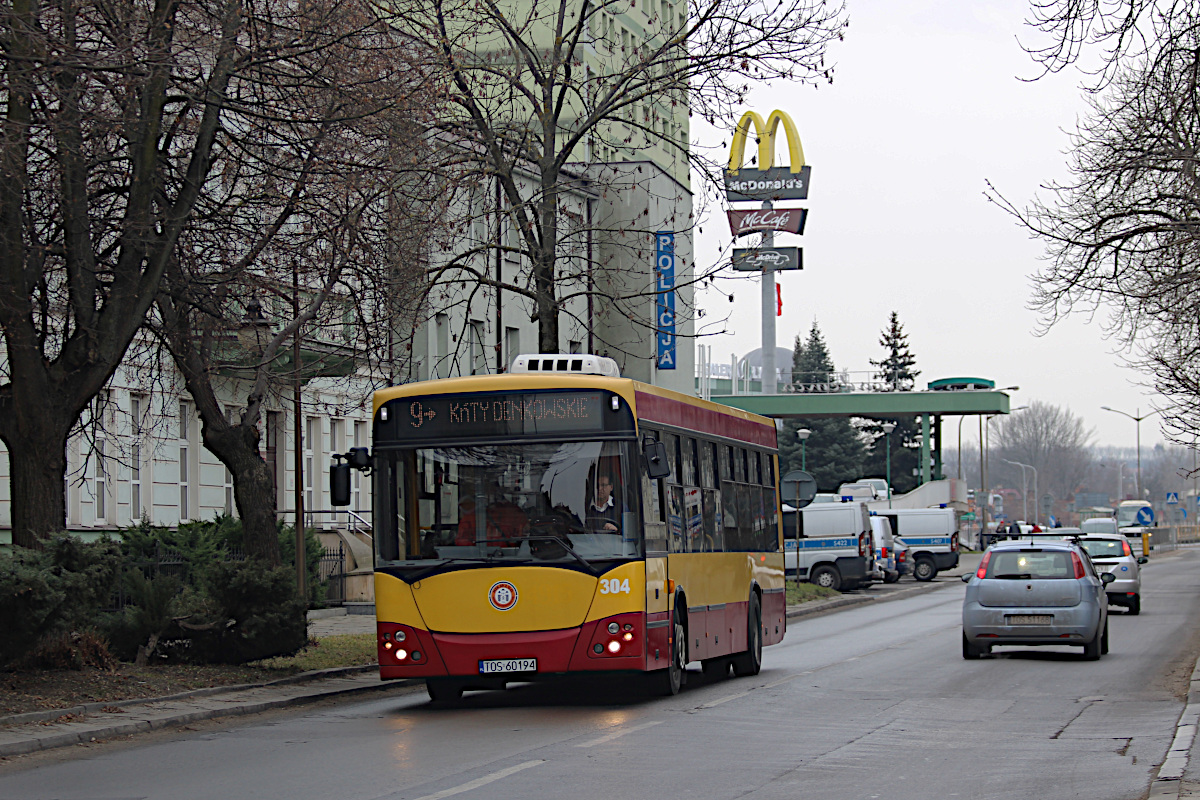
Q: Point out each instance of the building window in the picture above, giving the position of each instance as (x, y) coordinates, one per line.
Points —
(477, 355)
(512, 345)
(184, 454)
(101, 482)
(360, 438)
(137, 406)
(310, 438)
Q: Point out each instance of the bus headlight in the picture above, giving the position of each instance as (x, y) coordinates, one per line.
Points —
(614, 646)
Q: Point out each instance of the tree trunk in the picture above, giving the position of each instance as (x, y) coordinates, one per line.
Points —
(38, 469)
(253, 489)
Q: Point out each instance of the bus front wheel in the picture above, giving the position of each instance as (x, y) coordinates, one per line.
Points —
(443, 690)
(669, 681)
(750, 661)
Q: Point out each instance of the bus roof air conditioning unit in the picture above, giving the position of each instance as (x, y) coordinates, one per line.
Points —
(572, 364)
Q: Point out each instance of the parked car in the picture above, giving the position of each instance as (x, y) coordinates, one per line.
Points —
(1039, 592)
(1111, 553)
(886, 560)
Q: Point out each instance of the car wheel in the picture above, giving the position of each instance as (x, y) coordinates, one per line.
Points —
(443, 690)
(1104, 640)
(970, 651)
(828, 577)
(1094, 649)
(924, 570)
(1135, 605)
(891, 577)
(750, 661)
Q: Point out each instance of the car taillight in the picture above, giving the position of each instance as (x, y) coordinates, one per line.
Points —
(883, 552)
(1078, 562)
(862, 544)
(979, 573)
(954, 543)
(902, 556)
(1128, 550)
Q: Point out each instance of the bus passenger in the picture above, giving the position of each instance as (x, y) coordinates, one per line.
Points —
(604, 512)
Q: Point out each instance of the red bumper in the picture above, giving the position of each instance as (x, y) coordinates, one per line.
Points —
(407, 652)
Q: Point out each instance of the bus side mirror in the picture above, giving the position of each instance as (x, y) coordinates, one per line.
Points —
(655, 454)
(359, 458)
(339, 481)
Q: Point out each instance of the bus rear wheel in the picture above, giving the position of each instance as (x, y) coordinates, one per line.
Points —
(750, 662)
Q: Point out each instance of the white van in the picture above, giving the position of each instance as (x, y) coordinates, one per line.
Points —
(829, 544)
(931, 535)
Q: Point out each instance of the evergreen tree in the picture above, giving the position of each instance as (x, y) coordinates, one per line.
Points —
(897, 374)
(834, 452)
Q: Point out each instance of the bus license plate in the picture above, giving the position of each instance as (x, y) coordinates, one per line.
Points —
(1030, 619)
(504, 665)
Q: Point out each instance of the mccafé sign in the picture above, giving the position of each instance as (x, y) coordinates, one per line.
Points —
(790, 220)
(766, 181)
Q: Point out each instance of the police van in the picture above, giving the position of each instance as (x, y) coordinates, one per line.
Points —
(829, 544)
(931, 535)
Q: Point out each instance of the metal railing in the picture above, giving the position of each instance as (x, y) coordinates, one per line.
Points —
(331, 570)
(330, 518)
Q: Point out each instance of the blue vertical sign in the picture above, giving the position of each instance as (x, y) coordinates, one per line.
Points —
(664, 270)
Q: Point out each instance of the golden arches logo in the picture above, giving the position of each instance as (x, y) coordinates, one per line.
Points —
(765, 135)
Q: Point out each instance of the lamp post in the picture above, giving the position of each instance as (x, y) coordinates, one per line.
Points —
(1024, 497)
(803, 435)
(888, 427)
(1138, 420)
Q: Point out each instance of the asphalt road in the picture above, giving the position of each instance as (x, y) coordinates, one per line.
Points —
(873, 701)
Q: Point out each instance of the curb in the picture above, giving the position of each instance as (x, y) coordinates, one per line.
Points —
(65, 739)
(815, 607)
(1168, 782)
(87, 708)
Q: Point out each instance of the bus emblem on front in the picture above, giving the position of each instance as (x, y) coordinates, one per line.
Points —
(502, 595)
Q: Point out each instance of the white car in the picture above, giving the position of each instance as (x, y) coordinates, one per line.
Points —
(1111, 553)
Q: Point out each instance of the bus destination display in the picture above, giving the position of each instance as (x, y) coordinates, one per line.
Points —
(462, 416)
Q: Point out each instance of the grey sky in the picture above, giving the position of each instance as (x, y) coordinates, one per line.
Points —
(927, 104)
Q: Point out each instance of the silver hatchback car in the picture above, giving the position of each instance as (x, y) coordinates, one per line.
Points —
(1111, 553)
(1035, 593)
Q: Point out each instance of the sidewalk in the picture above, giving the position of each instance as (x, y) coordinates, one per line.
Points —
(94, 722)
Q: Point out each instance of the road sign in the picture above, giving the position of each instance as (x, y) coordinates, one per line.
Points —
(798, 488)
(747, 259)
(1145, 516)
(1172, 498)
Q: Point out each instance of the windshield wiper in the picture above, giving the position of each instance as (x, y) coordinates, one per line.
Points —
(562, 542)
(429, 571)
(1015, 576)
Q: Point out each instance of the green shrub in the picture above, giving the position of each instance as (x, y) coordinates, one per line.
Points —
(254, 614)
(60, 588)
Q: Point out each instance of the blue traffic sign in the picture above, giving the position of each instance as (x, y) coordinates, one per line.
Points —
(1172, 498)
(1145, 516)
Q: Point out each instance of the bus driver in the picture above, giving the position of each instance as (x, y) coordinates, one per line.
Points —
(604, 512)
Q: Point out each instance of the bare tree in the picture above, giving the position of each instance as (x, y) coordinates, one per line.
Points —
(1048, 438)
(1122, 235)
(112, 112)
(547, 89)
(316, 232)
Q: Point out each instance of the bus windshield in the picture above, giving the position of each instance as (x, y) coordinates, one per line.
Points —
(555, 502)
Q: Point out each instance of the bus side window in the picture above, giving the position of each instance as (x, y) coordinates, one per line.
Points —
(690, 462)
(672, 443)
(654, 507)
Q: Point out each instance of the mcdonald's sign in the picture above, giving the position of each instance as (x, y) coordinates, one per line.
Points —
(767, 181)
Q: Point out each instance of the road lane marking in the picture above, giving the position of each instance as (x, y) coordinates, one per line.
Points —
(484, 781)
(608, 737)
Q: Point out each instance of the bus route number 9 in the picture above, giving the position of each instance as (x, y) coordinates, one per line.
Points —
(614, 586)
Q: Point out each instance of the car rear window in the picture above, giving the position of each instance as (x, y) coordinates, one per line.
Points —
(1031, 565)
(1103, 548)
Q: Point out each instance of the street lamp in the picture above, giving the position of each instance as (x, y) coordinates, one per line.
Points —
(985, 423)
(888, 427)
(1138, 419)
(1024, 497)
(803, 435)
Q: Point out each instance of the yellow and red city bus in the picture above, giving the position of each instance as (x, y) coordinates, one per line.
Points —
(519, 533)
